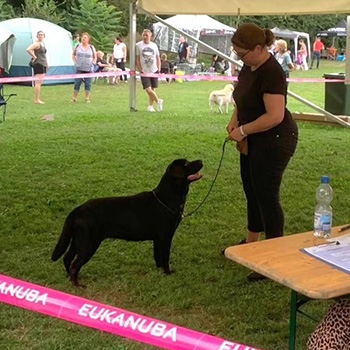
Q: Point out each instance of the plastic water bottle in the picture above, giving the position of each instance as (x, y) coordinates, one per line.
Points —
(323, 210)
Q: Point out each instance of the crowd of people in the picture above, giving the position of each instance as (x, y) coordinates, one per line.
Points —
(87, 59)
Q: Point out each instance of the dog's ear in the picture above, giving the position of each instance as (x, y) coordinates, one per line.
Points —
(176, 168)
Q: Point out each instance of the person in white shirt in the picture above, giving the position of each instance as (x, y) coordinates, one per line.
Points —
(148, 61)
(120, 55)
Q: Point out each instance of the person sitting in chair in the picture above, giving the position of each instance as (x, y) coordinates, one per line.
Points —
(104, 66)
(166, 66)
(332, 53)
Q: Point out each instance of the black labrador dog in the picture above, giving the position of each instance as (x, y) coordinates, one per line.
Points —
(153, 215)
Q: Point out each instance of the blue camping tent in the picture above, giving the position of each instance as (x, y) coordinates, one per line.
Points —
(58, 42)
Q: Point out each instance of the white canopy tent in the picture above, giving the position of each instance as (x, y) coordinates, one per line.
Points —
(295, 36)
(243, 8)
(202, 27)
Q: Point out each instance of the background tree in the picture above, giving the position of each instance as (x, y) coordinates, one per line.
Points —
(43, 9)
(6, 11)
(143, 21)
(308, 23)
(100, 20)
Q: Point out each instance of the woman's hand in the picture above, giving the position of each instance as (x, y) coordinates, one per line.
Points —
(235, 135)
(231, 125)
(233, 122)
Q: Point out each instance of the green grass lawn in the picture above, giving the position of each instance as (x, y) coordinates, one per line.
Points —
(101, 149)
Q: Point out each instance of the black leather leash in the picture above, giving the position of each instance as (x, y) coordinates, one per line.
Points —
(212, 185)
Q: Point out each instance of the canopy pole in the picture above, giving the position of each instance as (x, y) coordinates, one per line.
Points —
(319, 109)
(347, 60)
(132, 50)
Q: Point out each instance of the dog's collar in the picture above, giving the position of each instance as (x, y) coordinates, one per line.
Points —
(165, 206)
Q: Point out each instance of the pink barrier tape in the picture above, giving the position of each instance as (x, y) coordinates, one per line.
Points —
(186, 77)
(60, 77)
(107, 318)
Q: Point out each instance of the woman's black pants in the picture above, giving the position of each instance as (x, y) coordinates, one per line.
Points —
(261, 173)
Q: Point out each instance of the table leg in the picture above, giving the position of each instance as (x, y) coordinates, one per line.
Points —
(293, 319)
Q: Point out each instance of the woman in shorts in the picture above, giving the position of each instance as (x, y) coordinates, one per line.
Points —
(39, 63)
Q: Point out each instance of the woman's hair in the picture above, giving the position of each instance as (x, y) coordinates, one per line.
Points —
(163, 57)
(282, 44)
(118, 38)
(88, 35)
(249, 35)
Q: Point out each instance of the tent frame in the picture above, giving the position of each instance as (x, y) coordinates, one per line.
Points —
(203, 27)
(133, 66)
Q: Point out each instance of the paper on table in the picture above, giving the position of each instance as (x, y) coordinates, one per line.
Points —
(336, 254)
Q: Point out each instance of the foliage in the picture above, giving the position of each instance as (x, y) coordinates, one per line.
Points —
(6, 11)
(307, 23)
(99, 19)
(43, 9)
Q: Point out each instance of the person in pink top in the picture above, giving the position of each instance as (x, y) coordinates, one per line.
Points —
(318, 47)
(303, 52)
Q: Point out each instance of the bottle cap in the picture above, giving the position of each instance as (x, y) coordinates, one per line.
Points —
(325, 179)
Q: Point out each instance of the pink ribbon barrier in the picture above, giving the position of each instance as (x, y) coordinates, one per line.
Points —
(186, 77)
(107, 318)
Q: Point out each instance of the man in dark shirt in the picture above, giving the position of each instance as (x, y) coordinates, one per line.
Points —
(183, 50)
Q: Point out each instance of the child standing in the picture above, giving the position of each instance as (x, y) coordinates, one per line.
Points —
(299, 62)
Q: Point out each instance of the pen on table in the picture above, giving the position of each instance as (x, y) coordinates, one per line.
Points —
(344, 228)
(328, 243)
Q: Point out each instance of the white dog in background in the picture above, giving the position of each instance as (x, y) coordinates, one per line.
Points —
(221, 98)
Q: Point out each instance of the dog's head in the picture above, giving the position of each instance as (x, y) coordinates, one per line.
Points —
(183, 169)
(229, 88)
(179, 175)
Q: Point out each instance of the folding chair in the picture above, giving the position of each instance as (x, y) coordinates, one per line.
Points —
(96, 70)
(3, 101)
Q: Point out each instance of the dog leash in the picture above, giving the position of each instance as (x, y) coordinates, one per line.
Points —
(212, 185)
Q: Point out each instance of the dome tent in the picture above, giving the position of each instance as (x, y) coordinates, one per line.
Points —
(58, 42)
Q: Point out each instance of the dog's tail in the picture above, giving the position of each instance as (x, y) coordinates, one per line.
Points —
(65, 237)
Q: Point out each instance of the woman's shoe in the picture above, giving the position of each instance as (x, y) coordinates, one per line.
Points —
(87, 100)
(74, 100)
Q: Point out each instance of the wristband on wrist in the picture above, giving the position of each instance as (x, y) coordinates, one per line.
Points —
(242, 131)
